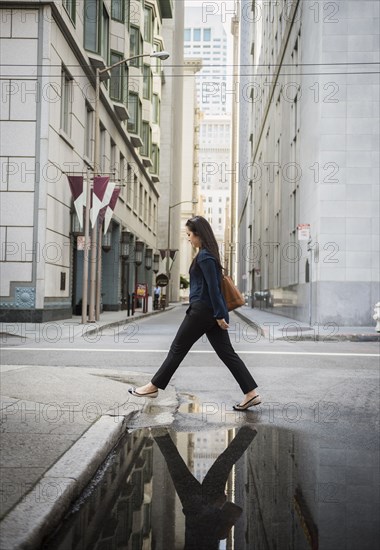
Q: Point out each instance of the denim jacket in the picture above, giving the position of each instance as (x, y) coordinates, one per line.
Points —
(205, 280)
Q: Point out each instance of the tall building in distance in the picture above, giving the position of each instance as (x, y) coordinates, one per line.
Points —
(312, 159)
(206, 37)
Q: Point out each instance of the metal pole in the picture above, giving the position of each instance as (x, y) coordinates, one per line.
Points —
(234, 150)
(86, 249)
(311, 283)
(94, 229)
(168, 259)
(99, 274)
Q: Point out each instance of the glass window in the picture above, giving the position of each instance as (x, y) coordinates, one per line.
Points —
(155, 169)
(187, 35)
(105, 35)
(122, 176)
(135, 192)
(70, 8)
(141, 201)
(147, 82)
(117, 10)
(134, 113)
(89, 123)
(146, 214)
(146, 137)
(135, 45)
(103, 137)
(114, 165)
(156, 62)
(156, 109)
(148, 24)
(66, 99)
(196, 35)
(91, 25)
(119, 79)
(207, 34)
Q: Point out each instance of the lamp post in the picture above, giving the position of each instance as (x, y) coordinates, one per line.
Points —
(193, 201)
(124, 254)
(94, 269)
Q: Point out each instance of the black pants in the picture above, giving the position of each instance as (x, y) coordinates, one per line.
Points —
(199, 320)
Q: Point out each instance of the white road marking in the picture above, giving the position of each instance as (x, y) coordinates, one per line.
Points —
(240, 352)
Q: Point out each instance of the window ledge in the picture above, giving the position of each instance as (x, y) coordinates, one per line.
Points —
(120, 110)
(155, 178)
(98, 63)
(67, 139)
(147, 162)
(136, 140)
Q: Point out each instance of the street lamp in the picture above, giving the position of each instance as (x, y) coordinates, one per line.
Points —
(107, 241)
(193, 201)
(94, 308)
(139, 247)
(124, 245)
(148, 258)
(156, 263)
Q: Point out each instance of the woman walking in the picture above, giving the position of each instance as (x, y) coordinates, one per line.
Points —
(208, 315)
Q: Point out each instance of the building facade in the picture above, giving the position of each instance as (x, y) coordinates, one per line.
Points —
(313, 159)
(171, 151)
(49, 55)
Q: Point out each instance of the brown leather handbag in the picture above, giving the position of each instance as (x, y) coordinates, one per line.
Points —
(232, 295)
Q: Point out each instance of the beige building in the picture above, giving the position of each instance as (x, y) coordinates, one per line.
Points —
(49, 53)
(171, 153)
(310, 155)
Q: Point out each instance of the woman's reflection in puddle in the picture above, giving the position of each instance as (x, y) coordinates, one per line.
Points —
(209, 516)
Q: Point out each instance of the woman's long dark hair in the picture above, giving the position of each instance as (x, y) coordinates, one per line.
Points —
(202, 229)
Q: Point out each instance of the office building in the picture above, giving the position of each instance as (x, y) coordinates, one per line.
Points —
(310, 159)
(49, 53)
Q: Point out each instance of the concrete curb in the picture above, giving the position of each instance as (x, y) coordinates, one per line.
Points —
(98, 328)
(34, 517)
(354, 337)
(250, 322)
(334, 338)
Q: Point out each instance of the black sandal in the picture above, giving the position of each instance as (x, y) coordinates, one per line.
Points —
(251, 403)
(150, 394)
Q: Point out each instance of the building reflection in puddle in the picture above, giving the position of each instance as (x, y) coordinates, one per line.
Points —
(248, 488)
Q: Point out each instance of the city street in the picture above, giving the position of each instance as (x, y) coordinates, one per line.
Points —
(308, 384)
(311, 447)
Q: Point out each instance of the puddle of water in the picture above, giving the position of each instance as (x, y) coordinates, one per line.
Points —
(250, 488)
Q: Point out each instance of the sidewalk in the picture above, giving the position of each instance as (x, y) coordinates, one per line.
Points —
(277, 327)
(57, 427)
(71, 328)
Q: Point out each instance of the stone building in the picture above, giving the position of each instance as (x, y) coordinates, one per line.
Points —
(49, 52)
(310, 156)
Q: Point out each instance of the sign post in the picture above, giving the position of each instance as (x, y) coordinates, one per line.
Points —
(141, 291)
(303, 230)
